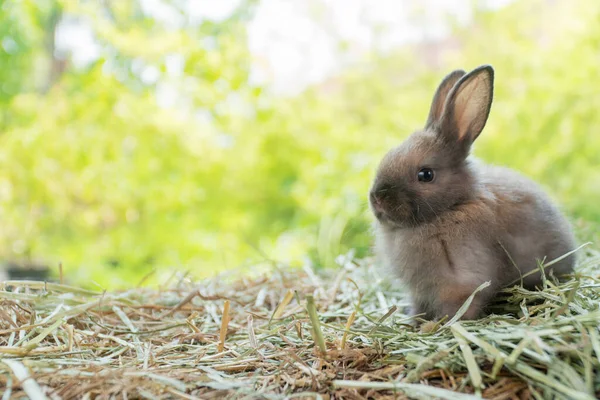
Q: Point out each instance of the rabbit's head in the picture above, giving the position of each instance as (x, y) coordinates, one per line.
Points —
(428, 174)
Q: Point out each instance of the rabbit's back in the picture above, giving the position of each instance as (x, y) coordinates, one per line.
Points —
(529, 226)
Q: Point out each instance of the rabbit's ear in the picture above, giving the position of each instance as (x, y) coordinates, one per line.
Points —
(439, 99)
(468, 105)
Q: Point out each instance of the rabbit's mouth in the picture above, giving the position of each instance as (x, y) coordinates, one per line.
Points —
(379, 211)
(392, 221)
(381, 216)
(407, 216)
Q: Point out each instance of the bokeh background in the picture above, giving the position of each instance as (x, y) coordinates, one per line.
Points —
(163, 135)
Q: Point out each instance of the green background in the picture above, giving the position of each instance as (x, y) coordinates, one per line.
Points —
(97, 174)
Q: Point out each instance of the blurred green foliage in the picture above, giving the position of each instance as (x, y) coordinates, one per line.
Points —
(97, 173)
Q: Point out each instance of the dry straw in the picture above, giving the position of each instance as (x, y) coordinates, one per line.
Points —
(296, 333)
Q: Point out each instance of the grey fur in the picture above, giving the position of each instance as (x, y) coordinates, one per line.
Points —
(473, 223)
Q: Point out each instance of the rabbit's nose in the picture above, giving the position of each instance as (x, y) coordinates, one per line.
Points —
(376, 201)
(379, 194)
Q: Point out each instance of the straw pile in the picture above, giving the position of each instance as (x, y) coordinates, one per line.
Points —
(295, 333)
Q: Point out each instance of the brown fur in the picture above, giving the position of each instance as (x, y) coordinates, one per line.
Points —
(473, 223)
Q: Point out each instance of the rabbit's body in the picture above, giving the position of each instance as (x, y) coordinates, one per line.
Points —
(475, 223)
(445, 260)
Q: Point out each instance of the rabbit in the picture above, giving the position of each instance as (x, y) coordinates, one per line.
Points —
(445, 222)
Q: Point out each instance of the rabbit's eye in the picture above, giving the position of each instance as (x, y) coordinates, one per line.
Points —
(425, 175)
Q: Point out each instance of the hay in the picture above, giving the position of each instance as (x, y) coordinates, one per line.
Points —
(295, 333)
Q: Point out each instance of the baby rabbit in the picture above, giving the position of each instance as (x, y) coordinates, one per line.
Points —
(446, 223)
